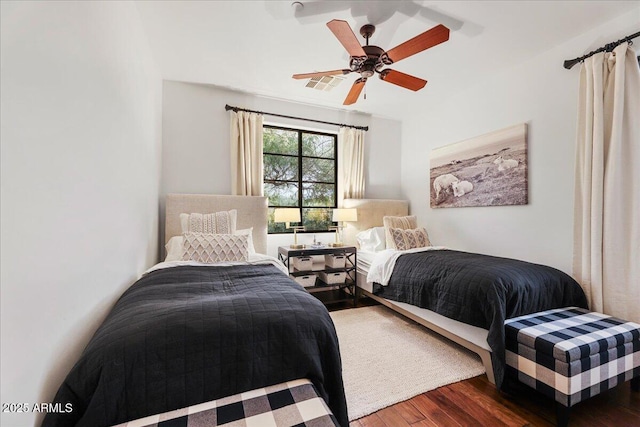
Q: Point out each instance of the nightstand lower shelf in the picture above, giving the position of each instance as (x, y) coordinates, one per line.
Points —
(329, 295)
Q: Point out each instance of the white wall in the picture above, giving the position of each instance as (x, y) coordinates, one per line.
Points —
(81, 133)
(196, 150)
(541, 93)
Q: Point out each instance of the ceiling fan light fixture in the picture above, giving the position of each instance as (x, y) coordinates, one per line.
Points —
(367, 70)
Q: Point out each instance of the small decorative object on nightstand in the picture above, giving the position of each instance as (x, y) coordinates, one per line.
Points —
(331, 279)
(340, 216)
(289, 215)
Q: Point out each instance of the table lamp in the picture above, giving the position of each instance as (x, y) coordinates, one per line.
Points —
(341, 215)
(289, 215)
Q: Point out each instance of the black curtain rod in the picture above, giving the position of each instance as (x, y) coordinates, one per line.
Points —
(608, 47)
(236, 109)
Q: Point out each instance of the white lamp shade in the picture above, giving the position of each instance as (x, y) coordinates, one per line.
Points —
(345, 214)
(286, 215)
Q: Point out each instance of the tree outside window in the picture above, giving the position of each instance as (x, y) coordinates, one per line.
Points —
(300, 171)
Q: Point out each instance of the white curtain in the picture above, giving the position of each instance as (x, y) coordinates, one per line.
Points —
(607, 184)
(246, 154)
(350, 164)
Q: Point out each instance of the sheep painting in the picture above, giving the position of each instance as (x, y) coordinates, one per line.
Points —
(488, 170)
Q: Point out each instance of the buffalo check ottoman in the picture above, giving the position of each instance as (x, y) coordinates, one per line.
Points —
(571, 354)
(294, 403)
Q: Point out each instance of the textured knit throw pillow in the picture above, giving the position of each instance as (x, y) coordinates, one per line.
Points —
(212, 248)
(403, 222)
(409, 239)
(223, 222)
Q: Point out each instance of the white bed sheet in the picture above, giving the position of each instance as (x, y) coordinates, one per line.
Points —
(365, 258)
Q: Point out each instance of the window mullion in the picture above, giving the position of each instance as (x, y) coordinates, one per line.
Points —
(300, 174)
(282, 155)
(335, 171)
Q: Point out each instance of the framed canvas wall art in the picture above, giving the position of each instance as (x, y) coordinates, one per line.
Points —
(487, 170)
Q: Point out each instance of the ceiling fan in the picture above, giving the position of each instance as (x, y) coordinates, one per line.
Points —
(368, 60)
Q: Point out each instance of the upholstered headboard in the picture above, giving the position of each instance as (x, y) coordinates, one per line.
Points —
(252, 212)
(370, 213)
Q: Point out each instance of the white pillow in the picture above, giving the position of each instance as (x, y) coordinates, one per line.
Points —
(247, 232)
(223, 222)
(402, 222)
(409, 238)
(372, 239)
(175, 248)
(213, 248)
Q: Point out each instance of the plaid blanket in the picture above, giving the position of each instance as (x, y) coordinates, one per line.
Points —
(294, 403)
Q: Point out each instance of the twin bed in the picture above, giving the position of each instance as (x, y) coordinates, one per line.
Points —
(188, 333)
(463, 296)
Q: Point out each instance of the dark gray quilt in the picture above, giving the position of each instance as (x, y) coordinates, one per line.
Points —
(185, 335)
(480, 290)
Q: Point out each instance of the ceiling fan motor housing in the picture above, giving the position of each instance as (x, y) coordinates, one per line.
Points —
(368, 65)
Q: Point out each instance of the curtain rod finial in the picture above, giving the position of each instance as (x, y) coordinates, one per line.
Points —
(568, 64)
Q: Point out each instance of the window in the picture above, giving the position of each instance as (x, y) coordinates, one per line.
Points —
(300, 171)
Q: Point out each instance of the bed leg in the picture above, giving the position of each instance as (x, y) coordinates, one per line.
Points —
(485, 356)
(562, 415)
(635, 384)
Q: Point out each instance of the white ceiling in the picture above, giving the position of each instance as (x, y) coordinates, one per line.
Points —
(255, 46)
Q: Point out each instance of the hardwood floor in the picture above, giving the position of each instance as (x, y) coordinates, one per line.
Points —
(477, 402)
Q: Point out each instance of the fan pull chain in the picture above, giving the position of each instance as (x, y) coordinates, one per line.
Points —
(365, 92)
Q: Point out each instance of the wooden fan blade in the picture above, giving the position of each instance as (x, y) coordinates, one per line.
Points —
(424, 41)
(402, 79)
(354, 93)
(321, 73)
(346, 36)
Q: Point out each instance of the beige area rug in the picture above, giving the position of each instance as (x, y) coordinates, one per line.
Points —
(387, 359)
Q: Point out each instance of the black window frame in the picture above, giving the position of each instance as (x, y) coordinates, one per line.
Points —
(300, 180)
